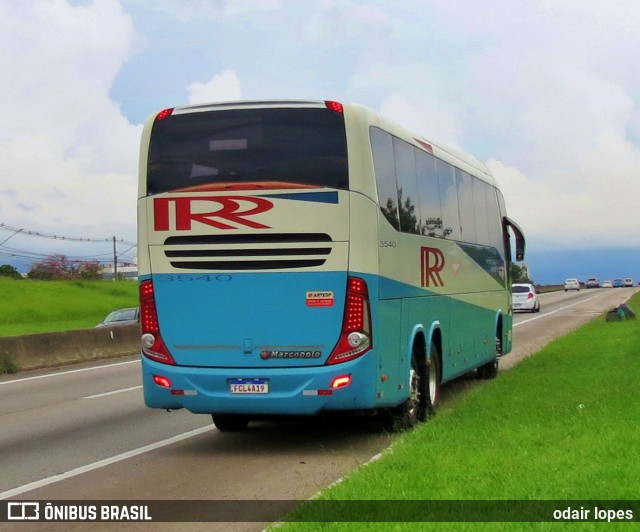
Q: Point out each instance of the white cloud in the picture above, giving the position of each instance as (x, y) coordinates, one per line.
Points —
(69, 157)
(339, 22)
(544, 91)
(441, 123)
(599, 209)
(213, 8)
(222, 87)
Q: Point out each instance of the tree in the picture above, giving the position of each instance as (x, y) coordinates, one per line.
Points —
(60, 267)
(519, 274)
(6, 270)
(90, 270)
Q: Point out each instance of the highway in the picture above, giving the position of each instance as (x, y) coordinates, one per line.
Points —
(82, 432)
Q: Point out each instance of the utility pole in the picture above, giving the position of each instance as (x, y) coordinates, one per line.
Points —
(115, 261)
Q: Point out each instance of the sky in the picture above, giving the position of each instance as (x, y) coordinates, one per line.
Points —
(545, 93)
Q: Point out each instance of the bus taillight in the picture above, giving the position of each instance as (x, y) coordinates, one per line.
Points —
(355, 338)
(165, 113)
(152, 344)
(335, 106)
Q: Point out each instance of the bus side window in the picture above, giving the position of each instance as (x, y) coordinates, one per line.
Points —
(384, 167)
(408, 206)
(495, 225)
(467, 210)
(448, 199)
(482, 215)
(429, 193)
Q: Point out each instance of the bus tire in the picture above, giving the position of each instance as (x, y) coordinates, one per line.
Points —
(488, 370)
(423, 393)
(230, 422)
(432, 383)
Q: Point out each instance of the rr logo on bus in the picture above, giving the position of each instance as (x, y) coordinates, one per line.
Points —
(230, 210)
(431, 264)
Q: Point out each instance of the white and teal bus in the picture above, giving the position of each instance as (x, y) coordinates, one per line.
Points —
(299, 257)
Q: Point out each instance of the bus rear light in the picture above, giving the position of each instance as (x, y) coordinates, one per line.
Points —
(162, 381)
(355, 338)
(151, 342)
(335, 106)
(166, 113)
(341, 381)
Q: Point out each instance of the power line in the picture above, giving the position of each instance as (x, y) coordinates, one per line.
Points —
(32, 256)
(22, 231)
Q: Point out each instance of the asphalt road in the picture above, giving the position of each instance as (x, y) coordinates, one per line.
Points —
(83, 433)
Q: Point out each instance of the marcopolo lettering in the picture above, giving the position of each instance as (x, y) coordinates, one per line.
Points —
(290, 354)
(231, 212)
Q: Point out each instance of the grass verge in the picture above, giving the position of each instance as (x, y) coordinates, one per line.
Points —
(29, 307)
(560, 426)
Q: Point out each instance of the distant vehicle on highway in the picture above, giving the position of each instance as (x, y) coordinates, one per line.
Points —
(524, 296)
(618, 283)
(607, 284)
(628, 282)
(592, 282)
(123, 316)
(571, 284)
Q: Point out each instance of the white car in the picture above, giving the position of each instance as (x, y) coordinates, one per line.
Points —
(628, 281)
(607, 284)
(572, 284)
(525, 297)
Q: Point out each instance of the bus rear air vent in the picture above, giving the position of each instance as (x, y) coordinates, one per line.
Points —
(248, 252)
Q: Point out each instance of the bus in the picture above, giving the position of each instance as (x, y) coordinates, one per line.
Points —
(307, 257)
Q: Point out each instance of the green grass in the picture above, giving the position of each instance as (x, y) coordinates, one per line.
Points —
(562, 425)
(28, 307)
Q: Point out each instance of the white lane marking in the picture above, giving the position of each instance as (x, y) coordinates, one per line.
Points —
(102, 463)
(112, 393)
(557, 310)
(68, 372)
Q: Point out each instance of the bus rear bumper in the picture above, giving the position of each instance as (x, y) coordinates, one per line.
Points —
(290, 391)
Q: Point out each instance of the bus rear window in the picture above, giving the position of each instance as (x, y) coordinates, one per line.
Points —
(213, 149)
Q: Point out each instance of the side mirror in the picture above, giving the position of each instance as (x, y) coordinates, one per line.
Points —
(518, 235)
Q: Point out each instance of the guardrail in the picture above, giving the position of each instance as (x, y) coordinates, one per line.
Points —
(33, 351)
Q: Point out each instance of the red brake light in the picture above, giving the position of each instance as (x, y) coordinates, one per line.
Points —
(152, 344)
(530, 296)
(335, 106)
(341, 381)
(166, 113)
(355, 337)
(162, 381)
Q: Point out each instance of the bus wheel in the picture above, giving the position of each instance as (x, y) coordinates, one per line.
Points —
(229, 422)
(432, 381)
(420, 403)
(488, 370)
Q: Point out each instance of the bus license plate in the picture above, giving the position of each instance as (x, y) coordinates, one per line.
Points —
(245, 386)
